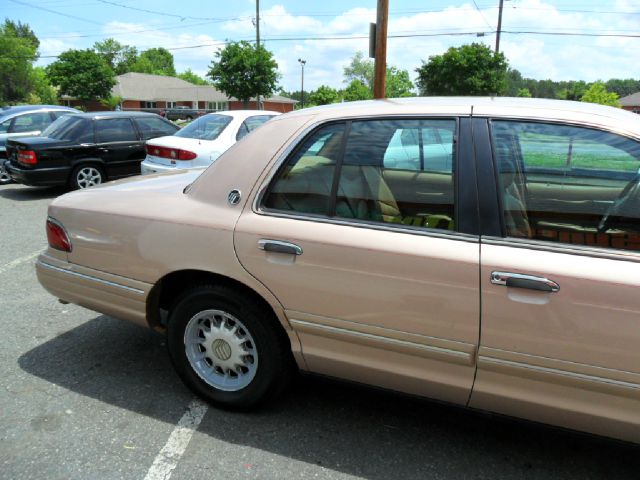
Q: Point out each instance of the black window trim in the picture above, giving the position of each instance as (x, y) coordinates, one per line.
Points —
(294, 147)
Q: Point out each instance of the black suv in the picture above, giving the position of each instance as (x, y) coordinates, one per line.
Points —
(82, 150)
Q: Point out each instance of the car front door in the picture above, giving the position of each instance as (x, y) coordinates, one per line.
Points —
(375, 263)
(560, 304)
(119, 146)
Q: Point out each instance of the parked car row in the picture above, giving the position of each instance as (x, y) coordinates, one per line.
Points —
(25, 121)
(479, 251)
(86, 149)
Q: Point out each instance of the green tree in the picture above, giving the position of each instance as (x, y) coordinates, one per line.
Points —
(597, 93)
(191, 77)
(467, 70)
(18, 51)
(357, 90)
(571, 90)
(323, 95)
(120, 58)
(398, 83)
(624, 87)
(361, 68)
(42, 92)
(157, 61)
(82, 74)
(243, 71)
(111, 102)
(523, 92)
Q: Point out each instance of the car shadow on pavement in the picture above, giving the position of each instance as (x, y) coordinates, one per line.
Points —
(22, 193)
(342, 427)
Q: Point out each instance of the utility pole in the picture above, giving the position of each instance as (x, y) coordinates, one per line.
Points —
(258, 103)
(302, 64)
(380, 76)
(499, 27)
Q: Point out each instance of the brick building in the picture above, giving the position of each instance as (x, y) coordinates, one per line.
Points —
(142, 91)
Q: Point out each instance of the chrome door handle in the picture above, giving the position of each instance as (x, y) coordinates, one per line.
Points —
(279, 246)
(519, 280)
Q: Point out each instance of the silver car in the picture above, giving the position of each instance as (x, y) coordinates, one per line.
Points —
(25, 121)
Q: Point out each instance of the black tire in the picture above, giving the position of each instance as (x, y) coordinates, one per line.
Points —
(273, 358)
(86, 175)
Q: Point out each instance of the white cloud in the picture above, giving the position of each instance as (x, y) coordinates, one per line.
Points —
(143, 37)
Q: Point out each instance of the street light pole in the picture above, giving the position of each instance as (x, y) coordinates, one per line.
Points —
(302, 63)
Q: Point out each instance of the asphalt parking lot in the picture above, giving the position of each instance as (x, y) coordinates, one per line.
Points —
(85, 396)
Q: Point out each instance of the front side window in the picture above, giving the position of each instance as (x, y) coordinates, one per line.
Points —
(5, 124)
(207, 127)
(115, 130)
(384, 172)
(568, 184)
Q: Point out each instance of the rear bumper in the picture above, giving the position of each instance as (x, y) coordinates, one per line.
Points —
(147, 167)
(38, 177)
(112, 295)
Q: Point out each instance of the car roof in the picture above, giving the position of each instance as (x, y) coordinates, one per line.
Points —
(244, 113)
(508, 107)
(6, 111)
(107, 114)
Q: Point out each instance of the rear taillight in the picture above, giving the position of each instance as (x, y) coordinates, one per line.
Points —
(57, 236)
(28, 157)
(170, 153)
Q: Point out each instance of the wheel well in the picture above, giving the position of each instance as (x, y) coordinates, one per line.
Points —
(168, 289)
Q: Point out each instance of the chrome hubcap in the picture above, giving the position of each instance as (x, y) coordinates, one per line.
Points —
(4, 176)
(221, 350)
(88, 177)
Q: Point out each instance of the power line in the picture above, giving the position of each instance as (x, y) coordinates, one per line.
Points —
(155, 12)
(481, 14)
(56, 13)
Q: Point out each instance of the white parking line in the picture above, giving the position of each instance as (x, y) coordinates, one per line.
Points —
(18, 261)
(173, 450)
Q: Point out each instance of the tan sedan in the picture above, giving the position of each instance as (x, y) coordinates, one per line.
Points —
(483, 252)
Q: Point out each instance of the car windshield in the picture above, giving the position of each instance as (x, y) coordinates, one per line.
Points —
(67, 127)
(207, 127)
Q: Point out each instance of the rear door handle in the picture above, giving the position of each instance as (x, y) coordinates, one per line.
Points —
(519, 280)
(279, 246)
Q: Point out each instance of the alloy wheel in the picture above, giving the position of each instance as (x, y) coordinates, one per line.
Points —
(88, 177)
(221, 350)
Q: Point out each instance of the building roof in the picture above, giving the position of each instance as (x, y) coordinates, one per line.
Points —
(151, 88)
(632, 100)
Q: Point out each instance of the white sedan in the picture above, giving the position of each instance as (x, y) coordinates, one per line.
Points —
(201, 142)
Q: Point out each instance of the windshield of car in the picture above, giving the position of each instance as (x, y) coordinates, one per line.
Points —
(70, 127)
(207, 127)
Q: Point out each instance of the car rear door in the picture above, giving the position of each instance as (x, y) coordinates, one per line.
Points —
(376, 266)
(560, 304)
(119, 146)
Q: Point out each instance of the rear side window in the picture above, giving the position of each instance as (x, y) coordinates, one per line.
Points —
(568, 184)
(207, 127)
(31, 122)
(72, 128)
(304, 184)
(151, 127)
(385, 171)
(115, 130)
(250, 124)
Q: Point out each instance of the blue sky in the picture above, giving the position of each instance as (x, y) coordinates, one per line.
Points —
(322, 32)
